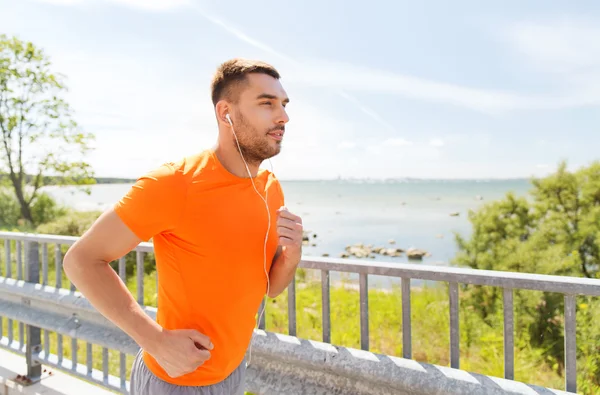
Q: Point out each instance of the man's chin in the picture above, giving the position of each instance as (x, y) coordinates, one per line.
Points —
(273, 154)
(276, 148)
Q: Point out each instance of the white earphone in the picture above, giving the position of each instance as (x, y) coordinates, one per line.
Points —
(268, 225)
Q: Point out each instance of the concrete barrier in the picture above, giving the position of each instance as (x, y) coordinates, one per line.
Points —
(283, 364)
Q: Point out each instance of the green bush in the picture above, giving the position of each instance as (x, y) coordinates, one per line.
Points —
(72, 223)
(45, 209)
(9, 208)
(554, 231)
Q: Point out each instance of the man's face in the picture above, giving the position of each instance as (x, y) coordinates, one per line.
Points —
(259, 117)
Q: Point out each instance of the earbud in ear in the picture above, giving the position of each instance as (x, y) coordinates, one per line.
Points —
(228, 119)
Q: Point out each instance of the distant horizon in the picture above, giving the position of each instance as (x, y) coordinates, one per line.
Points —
(387, 179)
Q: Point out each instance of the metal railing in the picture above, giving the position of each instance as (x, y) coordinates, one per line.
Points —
(76, 309)
(36, 350)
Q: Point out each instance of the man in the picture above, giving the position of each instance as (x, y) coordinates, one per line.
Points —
(208, 220)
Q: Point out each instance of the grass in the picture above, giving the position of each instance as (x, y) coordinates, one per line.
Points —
(481, 345)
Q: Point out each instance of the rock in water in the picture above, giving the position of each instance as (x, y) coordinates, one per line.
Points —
(455, 214)
(360, 250)
(416, 254)
(393, 252)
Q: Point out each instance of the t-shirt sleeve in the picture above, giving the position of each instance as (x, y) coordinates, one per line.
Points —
(280, 194)
(154, 204)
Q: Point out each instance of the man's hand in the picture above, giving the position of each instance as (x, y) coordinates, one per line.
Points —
(289, 252)
(289, 229)
(181, 351)
(87, 266)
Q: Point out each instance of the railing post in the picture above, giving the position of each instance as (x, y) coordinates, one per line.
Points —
(34, 336)
(454, 327)
(292, 307)
(325, 296)
(364, 311)
(509, 334)
(570, 343)
(262, 323)
(406, 317)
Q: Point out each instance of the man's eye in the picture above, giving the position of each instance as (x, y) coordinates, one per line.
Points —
(268, 103)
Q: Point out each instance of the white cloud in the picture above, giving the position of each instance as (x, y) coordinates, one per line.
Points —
(394, 158)
(345, 78)
(157, 5)
(436, 142)
(568, 47)
(561, 46)
(362, 79)
(371, 113)
(61, 2)
(347, 145)
(380, 148)
(568, 50)
(243, 36)
(152, 5)
(397, 142)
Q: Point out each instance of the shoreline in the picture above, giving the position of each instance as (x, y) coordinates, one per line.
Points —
(423, 215)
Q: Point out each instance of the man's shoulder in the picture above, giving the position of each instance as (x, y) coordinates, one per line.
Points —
(273, 183)
(183, 169)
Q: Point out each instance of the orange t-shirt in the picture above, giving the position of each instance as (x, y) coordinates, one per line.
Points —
(208, 228)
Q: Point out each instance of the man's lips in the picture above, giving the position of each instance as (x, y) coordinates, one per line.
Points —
(277, 134)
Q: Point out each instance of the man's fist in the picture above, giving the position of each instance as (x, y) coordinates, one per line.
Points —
(289, 229)
(181, 351)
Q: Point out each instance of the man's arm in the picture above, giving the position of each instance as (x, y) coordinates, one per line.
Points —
(87, 266)
(289, 252)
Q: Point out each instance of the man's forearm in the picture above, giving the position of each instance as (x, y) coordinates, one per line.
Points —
(99, 283)
(282, 272)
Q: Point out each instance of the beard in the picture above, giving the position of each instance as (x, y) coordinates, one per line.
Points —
(254, 144)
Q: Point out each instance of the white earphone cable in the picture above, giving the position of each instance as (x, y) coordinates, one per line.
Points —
(264, 199)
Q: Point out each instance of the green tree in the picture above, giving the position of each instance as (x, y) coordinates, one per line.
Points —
(40, 143)
(554, 230)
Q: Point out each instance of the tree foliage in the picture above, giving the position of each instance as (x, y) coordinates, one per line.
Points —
(554, 230)
(38, 136)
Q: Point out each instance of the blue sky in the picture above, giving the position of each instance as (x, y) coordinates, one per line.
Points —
(431, 89)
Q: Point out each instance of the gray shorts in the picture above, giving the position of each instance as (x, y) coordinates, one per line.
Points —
(144, 382)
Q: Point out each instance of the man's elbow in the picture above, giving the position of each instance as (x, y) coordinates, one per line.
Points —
(274, 293)
(75, 259)
(71, 261)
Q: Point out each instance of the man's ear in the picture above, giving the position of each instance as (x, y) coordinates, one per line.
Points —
(221, 110)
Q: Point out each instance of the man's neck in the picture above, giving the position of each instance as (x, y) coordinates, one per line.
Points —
(231, 160)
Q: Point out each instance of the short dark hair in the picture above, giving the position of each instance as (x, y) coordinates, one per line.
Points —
(232, 73)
